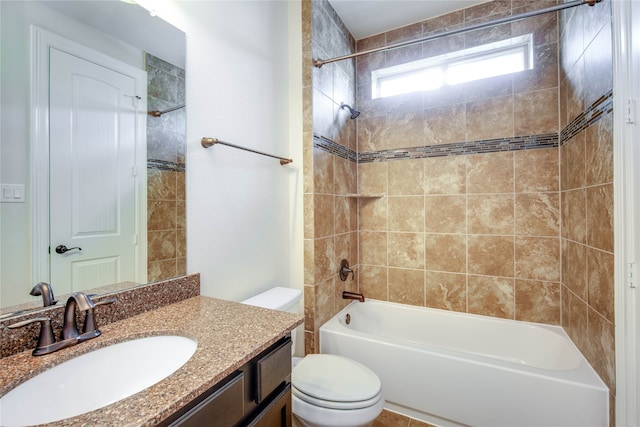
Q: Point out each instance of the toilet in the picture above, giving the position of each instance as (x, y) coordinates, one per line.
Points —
(327, 390)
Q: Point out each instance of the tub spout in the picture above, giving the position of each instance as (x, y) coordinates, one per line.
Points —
(352, 295)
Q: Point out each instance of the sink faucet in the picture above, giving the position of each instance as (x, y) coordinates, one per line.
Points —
(46, 291)
(70, 325)
(70, 334)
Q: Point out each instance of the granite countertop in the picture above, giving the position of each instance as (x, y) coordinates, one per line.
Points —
(229, 334)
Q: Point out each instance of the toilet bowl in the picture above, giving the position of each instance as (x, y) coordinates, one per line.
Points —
(327, 390)
(330, 390)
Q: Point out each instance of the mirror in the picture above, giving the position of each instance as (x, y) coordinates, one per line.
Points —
(127, 32)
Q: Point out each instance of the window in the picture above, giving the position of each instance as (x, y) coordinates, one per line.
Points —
(489, 60)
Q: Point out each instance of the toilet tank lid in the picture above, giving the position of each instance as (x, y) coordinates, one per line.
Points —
(278, 298)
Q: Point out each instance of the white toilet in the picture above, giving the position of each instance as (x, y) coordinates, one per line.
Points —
(327, 390)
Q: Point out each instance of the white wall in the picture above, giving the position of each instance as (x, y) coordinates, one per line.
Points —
(244, 211)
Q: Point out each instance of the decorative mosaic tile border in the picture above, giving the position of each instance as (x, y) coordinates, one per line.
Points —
(528, 142)
(334, 148)
(165, 165)
(592, 114)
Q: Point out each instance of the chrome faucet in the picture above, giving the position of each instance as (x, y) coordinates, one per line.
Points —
(46, 291)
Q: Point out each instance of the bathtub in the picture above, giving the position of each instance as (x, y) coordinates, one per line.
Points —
(456, 369)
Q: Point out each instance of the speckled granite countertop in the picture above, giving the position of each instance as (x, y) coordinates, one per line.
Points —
(228, 334)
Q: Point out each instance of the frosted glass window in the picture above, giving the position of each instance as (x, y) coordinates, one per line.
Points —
(489, 60)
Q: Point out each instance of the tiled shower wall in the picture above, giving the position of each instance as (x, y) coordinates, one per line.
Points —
(469, 215)
(330, 172)
(465, 201)
(166, 139)
(586, 164)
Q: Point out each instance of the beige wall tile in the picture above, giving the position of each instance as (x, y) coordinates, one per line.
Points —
(323, 171)
(536, 170)
(445, 214)
(372, 132)
(538, 214)
(372, 178)
(538, 301)
(490, 173)
(536, 112)
(490, 214)
(446, 175)
(405, 129)
(600, 217)
(406, 213)
(406, 250)
(406, 178)
(373, 282)
(446, 252)
(323, 215)
(574, 215)
(574, 268)
(601, 347)
(324, 259)
(491, 296)
(373, 247)
(600, 282)
(445, 125)
(538, 258)
(572, 163)
(373, 214)
(491, 255)
(490, 118)
(599, 151)
(446, 291)
(162, 215)
(406, 286)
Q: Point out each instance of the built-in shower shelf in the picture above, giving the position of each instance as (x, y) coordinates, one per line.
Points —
(365, 196)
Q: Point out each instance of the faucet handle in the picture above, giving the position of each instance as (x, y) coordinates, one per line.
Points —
(45, 339)
(345, 270)
(90, 329)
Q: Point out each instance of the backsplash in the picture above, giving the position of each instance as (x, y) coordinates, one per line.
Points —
(128, 303)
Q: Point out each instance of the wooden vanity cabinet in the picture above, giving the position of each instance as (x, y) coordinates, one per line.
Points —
(256, 395)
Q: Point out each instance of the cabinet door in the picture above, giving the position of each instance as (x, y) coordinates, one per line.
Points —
(277, 413)
(224, 408)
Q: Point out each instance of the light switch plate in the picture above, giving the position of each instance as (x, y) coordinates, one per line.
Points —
(12, 193)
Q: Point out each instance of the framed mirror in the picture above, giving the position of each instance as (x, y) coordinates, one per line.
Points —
(62, 142)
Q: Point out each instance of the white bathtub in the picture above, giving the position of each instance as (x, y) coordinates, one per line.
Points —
(457, 369)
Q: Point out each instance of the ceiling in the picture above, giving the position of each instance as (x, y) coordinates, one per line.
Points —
(364, 18)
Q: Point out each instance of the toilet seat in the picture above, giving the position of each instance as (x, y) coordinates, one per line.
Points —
(335, 382)
(329, 404)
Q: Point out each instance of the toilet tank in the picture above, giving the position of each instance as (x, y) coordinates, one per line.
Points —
(277, 298)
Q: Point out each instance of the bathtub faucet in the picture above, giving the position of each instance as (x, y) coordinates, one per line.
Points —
(352, 295)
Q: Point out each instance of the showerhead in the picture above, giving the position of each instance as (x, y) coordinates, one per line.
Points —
(354, 113)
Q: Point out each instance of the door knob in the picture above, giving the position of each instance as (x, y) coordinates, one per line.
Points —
(62, 249)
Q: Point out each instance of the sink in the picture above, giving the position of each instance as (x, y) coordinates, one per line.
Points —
(94, 380)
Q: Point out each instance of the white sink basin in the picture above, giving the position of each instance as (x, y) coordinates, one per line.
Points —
(94, 380)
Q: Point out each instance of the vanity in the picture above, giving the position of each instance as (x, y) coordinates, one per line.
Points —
(238, 375)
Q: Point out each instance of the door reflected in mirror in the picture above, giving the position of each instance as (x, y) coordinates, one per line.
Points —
(36, 151)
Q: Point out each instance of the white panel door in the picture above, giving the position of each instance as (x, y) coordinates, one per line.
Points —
(92, 179)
